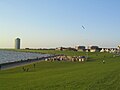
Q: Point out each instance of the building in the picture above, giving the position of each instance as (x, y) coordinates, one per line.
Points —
(66, 49)
(110, 50)
(93, 48)
(118, 46)
(80, 48)
(17, 43)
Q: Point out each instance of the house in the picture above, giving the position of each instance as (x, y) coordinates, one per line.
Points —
(110, 50)
(80, 48)
(65, 49)
(93, 48)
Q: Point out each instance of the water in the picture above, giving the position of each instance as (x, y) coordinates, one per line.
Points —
(12, 56)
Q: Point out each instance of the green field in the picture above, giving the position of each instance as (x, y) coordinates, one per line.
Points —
(64, 75)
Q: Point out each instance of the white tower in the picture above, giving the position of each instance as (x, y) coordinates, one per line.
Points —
(17, 43)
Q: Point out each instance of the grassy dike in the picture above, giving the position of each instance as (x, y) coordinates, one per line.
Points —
(91, 75)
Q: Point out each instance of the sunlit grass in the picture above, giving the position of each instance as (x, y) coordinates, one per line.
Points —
(65, 75)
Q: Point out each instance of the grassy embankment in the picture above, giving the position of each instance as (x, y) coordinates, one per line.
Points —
(91, 75)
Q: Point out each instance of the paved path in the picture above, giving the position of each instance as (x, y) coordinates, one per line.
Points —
(22, 63)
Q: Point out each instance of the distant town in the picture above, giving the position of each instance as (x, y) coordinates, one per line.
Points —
(76, 48)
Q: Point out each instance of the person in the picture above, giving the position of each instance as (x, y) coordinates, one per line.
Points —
(27, 69)
(0, 67)
(24, 69)
(103, 61)
(34, 65)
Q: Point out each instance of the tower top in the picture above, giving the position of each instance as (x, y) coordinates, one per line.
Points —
(17, 38)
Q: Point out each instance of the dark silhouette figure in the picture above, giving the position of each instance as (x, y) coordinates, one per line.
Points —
(24, 69)
(0, 67)
(34, 65)
(27, 69)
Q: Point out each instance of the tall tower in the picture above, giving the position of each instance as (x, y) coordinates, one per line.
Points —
(17, 43)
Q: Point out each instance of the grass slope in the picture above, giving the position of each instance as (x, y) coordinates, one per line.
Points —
(92, 75)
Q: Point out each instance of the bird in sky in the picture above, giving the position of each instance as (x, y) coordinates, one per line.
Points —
(83, 27)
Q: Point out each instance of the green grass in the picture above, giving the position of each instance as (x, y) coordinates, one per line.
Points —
(57, 75)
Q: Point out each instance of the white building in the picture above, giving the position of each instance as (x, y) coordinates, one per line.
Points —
(17, 43)
(80, 48)
(111, 50)
(93, 48)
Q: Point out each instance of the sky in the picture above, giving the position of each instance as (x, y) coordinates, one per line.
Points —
(56, 23)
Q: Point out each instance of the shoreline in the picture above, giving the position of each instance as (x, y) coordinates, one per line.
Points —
(10, 65)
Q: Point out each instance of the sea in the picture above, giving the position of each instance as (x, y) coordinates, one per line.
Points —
(12, 56)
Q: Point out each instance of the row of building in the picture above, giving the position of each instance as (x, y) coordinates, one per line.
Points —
(89, 49)
(77, 48)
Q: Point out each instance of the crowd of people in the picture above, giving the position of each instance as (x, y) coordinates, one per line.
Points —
(67, 58)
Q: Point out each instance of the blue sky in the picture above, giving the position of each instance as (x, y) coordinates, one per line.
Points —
(55, 23)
